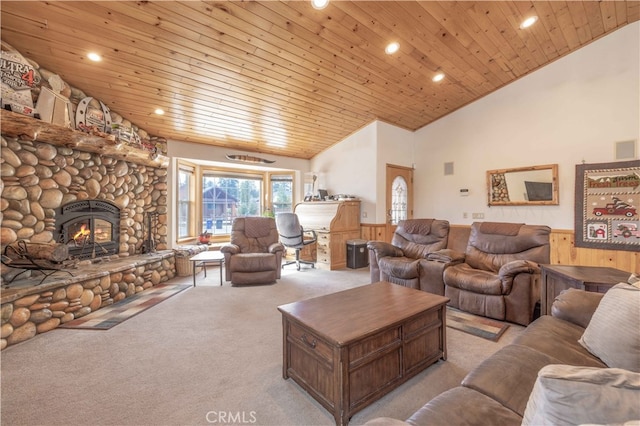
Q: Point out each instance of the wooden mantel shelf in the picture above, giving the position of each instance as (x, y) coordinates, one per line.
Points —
(29, 128)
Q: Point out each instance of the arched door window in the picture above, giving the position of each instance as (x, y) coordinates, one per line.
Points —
(398, 200)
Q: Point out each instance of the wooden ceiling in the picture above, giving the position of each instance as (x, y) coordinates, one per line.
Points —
(283, 78)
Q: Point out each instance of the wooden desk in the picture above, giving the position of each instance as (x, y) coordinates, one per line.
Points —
(335, 222)
(347, 349)
(556, 278)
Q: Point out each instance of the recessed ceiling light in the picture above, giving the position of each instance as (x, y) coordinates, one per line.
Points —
(392, 48)
(438, 77)
(319, 4)
(94, 57)
(159, 111)
(528, 22)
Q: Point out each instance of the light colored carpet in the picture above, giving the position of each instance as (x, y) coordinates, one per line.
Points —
(210, 354)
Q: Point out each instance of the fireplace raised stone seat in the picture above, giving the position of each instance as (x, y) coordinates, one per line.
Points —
(30, 308)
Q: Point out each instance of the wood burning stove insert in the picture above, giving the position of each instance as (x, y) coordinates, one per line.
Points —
(91, 228)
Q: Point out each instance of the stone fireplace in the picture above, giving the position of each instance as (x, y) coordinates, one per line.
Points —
(90, 228)
(108, 202)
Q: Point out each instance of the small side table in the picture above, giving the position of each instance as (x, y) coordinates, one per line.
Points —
(556, 278)
(204, 258)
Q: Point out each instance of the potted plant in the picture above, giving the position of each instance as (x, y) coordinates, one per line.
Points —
(204, 237)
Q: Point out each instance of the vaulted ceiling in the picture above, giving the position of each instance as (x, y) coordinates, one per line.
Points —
(283, 78)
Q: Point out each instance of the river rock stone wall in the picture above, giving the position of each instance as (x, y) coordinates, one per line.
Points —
(38, 178)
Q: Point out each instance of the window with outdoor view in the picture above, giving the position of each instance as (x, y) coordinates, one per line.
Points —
(227, 196)
(281, 193)
(185, 202)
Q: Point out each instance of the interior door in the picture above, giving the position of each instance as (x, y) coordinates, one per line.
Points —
(399, 197)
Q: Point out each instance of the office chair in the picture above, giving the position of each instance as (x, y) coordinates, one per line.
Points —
(292, 236)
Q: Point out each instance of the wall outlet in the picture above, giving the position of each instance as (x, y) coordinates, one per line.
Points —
(477, 215)
(364, 215)
(465, 215)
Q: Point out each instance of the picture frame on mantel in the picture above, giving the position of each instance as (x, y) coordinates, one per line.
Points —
(607, 206)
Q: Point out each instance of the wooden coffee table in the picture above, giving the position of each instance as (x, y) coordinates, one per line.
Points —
(347, 349)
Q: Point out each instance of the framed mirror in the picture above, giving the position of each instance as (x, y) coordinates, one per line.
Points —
(523, 186)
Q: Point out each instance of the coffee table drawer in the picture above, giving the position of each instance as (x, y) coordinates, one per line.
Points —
(373, 345)
(311, 342)
(425, 321)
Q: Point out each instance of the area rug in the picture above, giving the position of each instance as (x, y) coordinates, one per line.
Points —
(476, 325)
(110, 316)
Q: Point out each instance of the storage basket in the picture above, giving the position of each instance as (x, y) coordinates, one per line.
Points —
(184, 267)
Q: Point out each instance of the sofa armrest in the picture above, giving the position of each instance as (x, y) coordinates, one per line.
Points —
(510, 270)
(276, 247)
(383, 249)
(515, 267)
(446, 256)
(230, 249)
(576, 306)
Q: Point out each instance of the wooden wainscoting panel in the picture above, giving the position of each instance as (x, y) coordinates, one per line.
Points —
(564, 252)
(372, 231)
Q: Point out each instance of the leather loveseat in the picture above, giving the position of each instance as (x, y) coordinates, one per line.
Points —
(489, 269)
(520, 384)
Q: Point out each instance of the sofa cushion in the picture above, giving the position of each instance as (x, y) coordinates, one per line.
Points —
(508, 375)
(252, 262)
(493, 244)
(464, 277)
(462, 406)
(612, 334)
(565, 394)
(558, 338)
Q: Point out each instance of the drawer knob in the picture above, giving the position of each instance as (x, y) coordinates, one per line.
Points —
(309, 343)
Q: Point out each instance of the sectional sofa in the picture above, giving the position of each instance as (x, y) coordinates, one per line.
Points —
(581, 365)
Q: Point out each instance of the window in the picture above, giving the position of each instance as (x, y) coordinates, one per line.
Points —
(209, 199)
(186, 193)
(398, 200)
(227, 196)
(281, 193)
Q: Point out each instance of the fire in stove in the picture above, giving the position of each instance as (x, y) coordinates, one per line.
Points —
(82, 236)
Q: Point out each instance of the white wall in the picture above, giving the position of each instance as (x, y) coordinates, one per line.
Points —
(569, 112)
(349, 167)
(356, 165)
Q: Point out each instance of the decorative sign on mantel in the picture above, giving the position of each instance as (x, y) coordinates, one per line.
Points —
(608, 206)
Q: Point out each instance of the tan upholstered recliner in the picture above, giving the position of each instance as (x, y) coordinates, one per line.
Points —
(500, 276)
(413, 240)
(254, 254)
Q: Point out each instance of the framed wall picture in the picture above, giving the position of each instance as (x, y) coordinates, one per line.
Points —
(607, 209)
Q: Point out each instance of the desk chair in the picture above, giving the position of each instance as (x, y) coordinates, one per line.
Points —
(292, 236)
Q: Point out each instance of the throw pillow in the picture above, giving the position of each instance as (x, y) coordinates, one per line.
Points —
(612, 334)
(567, 394)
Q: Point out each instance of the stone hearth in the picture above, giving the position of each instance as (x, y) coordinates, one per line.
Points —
(29, 308)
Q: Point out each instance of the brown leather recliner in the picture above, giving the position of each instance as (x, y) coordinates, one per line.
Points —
(413, 240)
(500, 276)
(254, 255)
